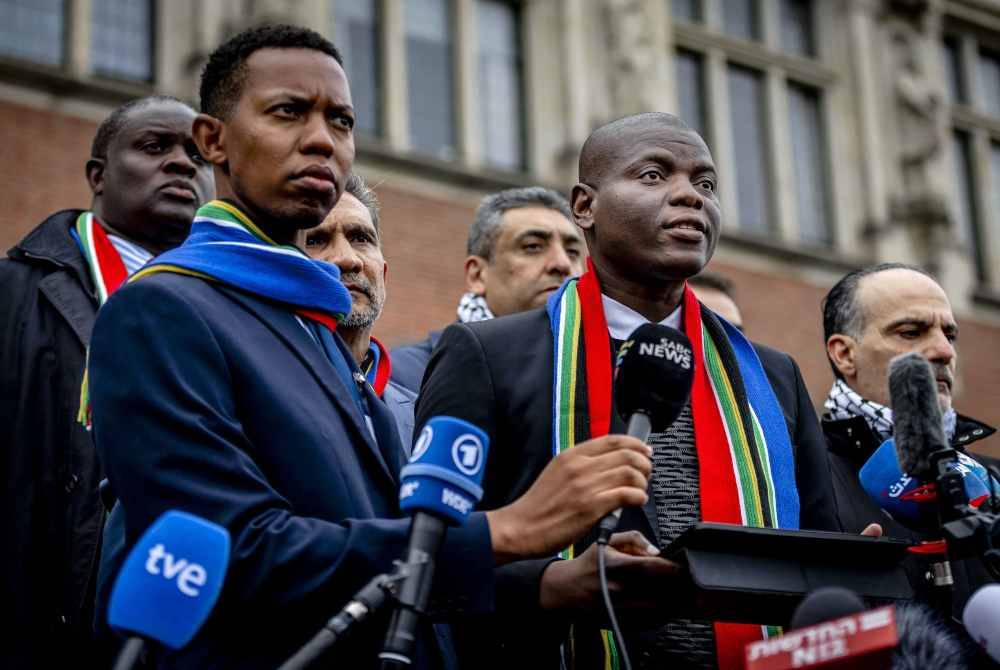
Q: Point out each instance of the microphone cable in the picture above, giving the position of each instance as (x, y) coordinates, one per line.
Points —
(602, 573)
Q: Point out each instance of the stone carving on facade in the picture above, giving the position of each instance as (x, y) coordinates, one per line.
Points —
(632, 57)
(916, 109)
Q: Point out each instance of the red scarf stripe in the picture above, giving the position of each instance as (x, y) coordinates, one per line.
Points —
(384, 369)
(597, 351)
(107, 261)
(319, 317)
(715, 465)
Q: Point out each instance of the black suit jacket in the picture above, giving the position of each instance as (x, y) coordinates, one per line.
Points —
(497, 375)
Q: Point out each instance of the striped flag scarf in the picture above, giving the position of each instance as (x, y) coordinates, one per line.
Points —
(106, 266)
(226, 247)
(746, 471)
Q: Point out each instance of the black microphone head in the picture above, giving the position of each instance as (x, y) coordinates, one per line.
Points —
(925, 641)
(916, 416)
(825, 604)
(653, 375)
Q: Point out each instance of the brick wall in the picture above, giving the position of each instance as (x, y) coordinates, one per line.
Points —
(44, 154)
(425, 244)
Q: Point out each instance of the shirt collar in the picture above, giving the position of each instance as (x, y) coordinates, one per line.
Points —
(622, 320)
(132, 255)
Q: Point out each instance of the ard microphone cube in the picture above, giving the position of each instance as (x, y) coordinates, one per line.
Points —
(170, 581)
(445, 474)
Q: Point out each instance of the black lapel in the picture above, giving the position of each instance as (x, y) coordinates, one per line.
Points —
(284, 324)
(72, 302)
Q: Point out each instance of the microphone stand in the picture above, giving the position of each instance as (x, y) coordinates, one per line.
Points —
(369, 600)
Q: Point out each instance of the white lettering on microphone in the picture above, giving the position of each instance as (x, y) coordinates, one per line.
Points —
(456, 501)
(668, 350)
(187, 575)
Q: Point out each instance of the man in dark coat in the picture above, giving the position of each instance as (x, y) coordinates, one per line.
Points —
(647, 202)
(870, 316)
(521, 246)
(147, 180)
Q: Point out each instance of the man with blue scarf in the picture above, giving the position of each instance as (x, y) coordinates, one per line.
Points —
(218, 385)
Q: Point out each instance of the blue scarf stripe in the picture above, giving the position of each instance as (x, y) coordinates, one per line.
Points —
(229, 253)
(772, 422)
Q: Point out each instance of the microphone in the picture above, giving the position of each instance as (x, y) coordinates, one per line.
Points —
(440, 486)
(168, 584)
(981, 616)
(653, 377)
(911, 500)
(906, 637)
(824, 604)
(916, 416)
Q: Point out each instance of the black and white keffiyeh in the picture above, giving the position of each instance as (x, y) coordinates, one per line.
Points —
(473, 308)
(844, 403)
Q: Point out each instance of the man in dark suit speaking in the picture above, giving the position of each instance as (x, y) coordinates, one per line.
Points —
(219, 386)
(747, 448)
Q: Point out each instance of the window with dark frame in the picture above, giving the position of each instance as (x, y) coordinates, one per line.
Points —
(808, 142)
(121, 39)
(748, 125)
(689, 69)
(501, 99)
(356, 31)
(430, 77)
(33, 30)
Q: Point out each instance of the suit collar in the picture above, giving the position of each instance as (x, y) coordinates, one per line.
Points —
(283, 323)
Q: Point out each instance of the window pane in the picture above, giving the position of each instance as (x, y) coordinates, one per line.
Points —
(501, 114)
(809, 158)
(989, 81)
(686, 10)
(965, 204)
(121, 39)
(739, 19)
(747, 123)
(952, 66)
(994, 231)
(356, 32)
(691, 89)
(797, 27)
(430, 78)
(32, 30)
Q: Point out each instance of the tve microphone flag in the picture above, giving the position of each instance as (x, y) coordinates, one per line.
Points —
(170, 581)
(907, 498)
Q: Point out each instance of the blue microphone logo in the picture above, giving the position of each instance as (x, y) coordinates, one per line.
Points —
(170, 581)
(467, 452)
(445, 473)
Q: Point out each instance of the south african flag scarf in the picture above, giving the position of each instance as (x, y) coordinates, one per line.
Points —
(107, 270)
(746, 471)
(226, 247)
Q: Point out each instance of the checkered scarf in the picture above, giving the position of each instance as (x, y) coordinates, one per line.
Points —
(473, 308)
(845, 403)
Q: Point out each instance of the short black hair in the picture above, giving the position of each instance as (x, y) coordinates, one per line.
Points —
(486, 227)
(112, 126)
(841, 313)
(225, 72)
(712, 280)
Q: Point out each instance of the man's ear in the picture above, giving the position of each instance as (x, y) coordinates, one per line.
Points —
(209, 134)
(840, 349)
(95, 175)
(581, 202)
(476, 269)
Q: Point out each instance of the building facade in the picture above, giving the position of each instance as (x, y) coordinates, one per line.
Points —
(847, 132)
